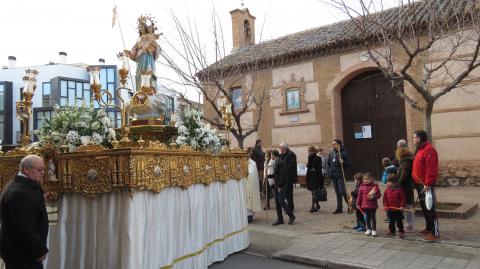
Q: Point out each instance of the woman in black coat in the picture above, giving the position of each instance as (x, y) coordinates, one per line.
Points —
(314, 176)
(405, 180)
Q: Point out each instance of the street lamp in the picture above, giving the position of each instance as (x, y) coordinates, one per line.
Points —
(24, 106)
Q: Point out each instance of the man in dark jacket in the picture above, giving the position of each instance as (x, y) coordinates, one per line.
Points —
(290, 160)
(258, 156)
(280, 175)
(338, 159)
(23, 217)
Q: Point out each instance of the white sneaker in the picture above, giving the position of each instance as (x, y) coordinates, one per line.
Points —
(374, 233)
(368, 232)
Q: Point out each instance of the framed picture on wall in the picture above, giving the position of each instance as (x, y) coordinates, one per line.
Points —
(293, 99)
(237, 97)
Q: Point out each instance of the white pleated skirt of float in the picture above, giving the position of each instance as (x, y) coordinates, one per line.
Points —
(175, 228)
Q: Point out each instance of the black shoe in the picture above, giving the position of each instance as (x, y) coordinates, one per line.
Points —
(337, 211)
(277, 223)
(312, 210)
(267, 207)
(291, 220)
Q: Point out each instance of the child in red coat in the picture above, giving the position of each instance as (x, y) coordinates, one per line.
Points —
(394, 203)
(368, 194)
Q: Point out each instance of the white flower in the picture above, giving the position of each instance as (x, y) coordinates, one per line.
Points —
(101, 113)
(72, 137)
(111, 134)
(182, 129)
(193, 143)
(97, 138)
(95, 126)
(105, 121)
(180, 140)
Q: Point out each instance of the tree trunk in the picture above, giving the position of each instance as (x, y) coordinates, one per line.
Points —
(427, 119)
(240, 141)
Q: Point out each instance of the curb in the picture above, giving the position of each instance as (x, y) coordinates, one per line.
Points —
(318, 262)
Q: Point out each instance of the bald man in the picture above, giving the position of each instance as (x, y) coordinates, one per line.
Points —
(23, 217)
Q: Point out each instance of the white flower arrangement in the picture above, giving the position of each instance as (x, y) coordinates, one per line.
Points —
(195, 133)
(72, 125)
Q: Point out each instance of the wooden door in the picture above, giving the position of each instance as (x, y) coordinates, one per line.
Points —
(373, 118)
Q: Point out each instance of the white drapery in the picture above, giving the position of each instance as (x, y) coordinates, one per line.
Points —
(253, 188)
(175, 228)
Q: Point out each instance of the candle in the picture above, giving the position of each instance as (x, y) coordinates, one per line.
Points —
(222, 102)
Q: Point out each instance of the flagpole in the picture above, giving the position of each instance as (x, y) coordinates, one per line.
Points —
(116, 17)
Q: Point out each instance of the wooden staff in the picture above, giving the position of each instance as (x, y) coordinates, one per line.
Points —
(266, 186)
(398, 208)
(347, 197)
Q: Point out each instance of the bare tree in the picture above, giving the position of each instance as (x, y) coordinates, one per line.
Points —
(433, 45)
(198, 66)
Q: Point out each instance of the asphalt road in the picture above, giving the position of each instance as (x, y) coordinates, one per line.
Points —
(241, 261)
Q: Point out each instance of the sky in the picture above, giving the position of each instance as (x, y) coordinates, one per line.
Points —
(35, 31)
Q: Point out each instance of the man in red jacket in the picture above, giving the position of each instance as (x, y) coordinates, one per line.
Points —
(425, 174)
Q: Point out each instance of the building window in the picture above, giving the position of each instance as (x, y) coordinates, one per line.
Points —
(293, 99)
(108, 80)
(74, 92)
(2, 113)
(46, 93)
(237, 98)
(39, 114)
(6, 107)
(115, 118)
(170, 104)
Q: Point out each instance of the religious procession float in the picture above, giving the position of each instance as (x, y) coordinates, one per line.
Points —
(147, 195)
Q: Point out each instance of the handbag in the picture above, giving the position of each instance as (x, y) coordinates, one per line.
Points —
(271, 181)
(429, 199)
(320, 195)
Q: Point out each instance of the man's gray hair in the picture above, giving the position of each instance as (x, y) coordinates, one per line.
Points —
(284, 145)
(402, 143)
(27, 162)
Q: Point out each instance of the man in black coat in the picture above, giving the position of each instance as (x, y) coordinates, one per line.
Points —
(290, 160)
(23, 217)
(338, 159)
(258, 156)
(280, 175)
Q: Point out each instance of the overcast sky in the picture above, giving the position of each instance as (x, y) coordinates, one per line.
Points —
(35, 31)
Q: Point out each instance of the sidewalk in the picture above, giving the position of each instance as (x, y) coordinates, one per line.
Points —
(346, 250)
(452, 231)
(327, 240)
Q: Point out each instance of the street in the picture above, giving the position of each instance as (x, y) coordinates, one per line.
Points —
(240, 260)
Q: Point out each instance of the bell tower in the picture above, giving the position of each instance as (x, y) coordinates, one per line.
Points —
(243, 29)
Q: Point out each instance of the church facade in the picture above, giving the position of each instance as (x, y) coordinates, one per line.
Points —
(322, 86)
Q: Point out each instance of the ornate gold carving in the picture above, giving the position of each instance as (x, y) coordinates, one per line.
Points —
(182, 173)
(186, 148)
(90, 147)
(93, 170)
(91, 175)
(157, 145)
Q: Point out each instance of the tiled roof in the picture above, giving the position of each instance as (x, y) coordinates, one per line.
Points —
(324, 39)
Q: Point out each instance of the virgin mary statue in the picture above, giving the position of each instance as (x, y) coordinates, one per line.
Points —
(145, 52)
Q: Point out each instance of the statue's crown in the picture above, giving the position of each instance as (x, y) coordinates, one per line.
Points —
(148, 23)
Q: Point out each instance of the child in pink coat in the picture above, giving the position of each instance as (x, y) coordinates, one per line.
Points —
(368, 194)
